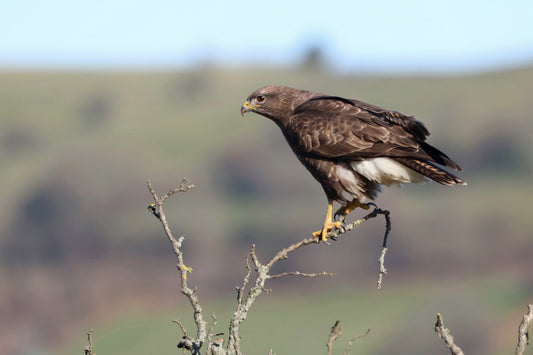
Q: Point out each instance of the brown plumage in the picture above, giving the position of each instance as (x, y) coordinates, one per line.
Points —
(351, 147)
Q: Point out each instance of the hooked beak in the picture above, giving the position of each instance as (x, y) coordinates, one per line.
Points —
(246, 107)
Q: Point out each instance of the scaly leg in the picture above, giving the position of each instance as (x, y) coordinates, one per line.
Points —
(328, 224)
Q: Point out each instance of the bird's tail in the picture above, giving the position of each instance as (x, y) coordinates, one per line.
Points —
(439, 157)
(431, 171)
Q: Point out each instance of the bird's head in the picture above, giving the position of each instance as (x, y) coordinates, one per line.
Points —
(275, 102)
(253, 103)
(265, 100)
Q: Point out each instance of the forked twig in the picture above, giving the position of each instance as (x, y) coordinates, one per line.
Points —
(335, 333)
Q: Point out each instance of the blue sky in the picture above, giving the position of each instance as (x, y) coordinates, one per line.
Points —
(379, 36)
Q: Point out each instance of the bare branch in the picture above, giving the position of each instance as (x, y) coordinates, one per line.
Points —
(89, 348)
(388, 227)
(382, 270)
(183, 329)
(184, 187)
(298, 273)
(157, 210)
(240, 290)
(282, 254)
(523, 333)
(377, 211)
(444, 333)
(244, 303)
(211, 327)
(349, 345)
(254, 257)
(244, 300)
(334, 334)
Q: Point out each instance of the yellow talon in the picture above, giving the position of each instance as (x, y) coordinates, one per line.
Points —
(345, 210)
(328, 225)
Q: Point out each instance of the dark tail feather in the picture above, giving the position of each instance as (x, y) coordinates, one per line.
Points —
(439, 157)
(431, 171)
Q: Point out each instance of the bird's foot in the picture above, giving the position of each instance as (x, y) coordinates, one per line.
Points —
(342, 212)
(328, 227)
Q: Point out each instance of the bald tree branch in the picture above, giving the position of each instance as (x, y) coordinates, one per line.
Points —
(523, 331)
(193, 345)
(445, 334)
(349, 345)
(262, 274)
(388, 227)
(246, 293)
(89, 348)
(335, 333)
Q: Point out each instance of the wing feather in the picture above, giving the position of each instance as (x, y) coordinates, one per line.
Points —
(340, 104)
(336, 128)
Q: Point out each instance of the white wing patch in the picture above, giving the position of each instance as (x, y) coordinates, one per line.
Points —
(387, 171)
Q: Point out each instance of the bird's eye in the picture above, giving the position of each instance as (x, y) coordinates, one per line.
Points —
(260, 98)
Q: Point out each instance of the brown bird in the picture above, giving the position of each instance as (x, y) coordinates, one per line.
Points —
(352, 148)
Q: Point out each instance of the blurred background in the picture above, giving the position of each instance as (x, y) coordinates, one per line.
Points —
(98, 97)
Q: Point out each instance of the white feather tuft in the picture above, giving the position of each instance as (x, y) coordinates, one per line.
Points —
(387, 171)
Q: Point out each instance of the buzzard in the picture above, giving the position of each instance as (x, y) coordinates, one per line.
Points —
(352, 148)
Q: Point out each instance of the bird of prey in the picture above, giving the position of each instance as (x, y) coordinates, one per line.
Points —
(350, 147)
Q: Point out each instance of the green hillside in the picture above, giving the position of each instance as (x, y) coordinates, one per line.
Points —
(77, 246)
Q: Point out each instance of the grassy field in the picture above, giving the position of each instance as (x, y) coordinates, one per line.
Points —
(401, 321)
(79, 250)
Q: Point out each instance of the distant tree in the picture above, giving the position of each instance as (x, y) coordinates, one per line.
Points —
(96, 109)
(50, 227)
(314, 58)
(500, 152)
